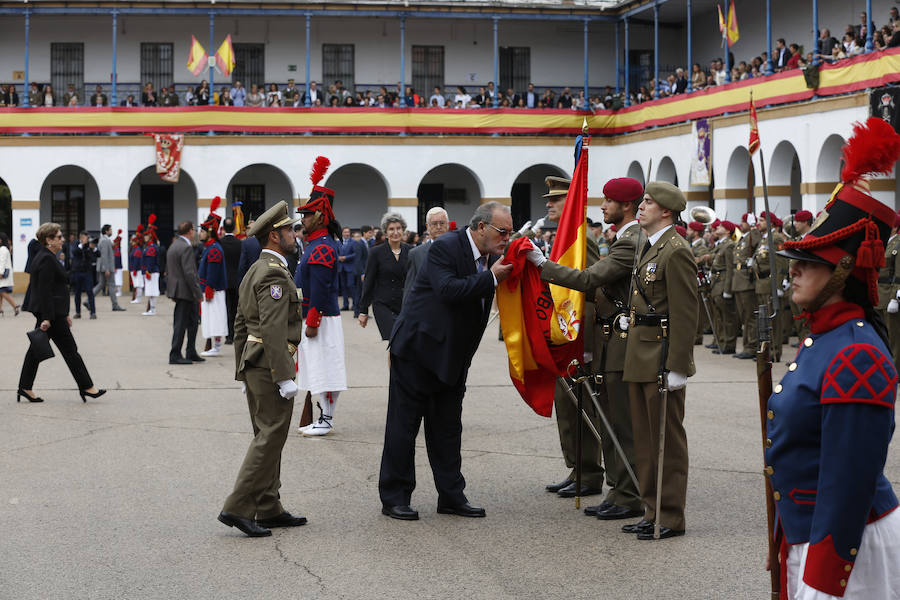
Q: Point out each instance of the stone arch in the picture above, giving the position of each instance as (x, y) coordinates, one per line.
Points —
(739, 181)
(70, 197)
(528, 189)
(258, 186)
(828, 165)
(785, 178)
(360, 194)
(453, 186)
(636, 171)
(170, 202)
(666, 171)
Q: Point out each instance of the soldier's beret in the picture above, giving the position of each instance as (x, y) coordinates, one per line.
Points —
(749, 218)
(696, 225)
(623, 189)
(715, 223)
(729, 226)
(803, 215)
(681, 230)
(666, 195)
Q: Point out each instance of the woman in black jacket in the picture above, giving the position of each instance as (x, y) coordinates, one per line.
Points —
(385, 274)
(48, 300)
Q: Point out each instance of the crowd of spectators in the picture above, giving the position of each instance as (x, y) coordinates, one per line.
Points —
(784, 57)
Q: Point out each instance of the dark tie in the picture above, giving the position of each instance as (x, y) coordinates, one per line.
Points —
(646, 247)
(482, 264)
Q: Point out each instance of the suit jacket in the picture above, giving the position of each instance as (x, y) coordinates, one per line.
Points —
(668, 275)
(362, 249)
(250, 251)
(609, 277)
(351, 252)
(231, 247)
(417, 258)
(48, 291)
(445, 314)
(385, 277)
(107, 260)
(181, 269)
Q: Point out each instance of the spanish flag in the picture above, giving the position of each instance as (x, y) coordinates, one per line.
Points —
(225, 57)
(732, 27)
(542, 323)
(753, 145)
(198, 59)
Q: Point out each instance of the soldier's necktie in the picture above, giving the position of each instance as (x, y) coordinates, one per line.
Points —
(646, 247)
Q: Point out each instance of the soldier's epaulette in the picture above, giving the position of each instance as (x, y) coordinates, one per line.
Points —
(277, 264)
(678, 240)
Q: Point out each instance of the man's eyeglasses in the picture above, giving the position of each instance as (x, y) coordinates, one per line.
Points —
(502, 232)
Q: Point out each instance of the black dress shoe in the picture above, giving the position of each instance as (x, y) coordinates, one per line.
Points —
(248, 526)
(586, 490)
(555, 487)
(744, 355)
(716, 351)
(616, 512)
(118, 309)
(229, 341)
(179, 361)
(664, 533)
(711, 346)
(404, 513)
(592, 511)
(196, 358)
(639, 527)
(461, 510)
(285, 519)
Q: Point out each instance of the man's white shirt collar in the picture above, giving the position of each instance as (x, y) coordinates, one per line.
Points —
(655, 237)
(625, 227)
(280, 257)
(186, 240)
(476, 253)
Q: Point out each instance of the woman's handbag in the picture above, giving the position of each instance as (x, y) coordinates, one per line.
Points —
(40, 344)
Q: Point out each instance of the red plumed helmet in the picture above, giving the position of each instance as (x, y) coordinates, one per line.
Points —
(872, 149)
(319, 168)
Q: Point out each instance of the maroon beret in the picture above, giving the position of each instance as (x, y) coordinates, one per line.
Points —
(897, 220)
(623, 189)
(803, 215)
(681, 230)
(715, 224)
(696, 225)
(728, 225)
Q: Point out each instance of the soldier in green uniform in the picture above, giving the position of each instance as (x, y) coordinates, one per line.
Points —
(761, 270)
(567, 416)
(267, 329)
(722, 276)
(660, 352)
(889, 290)
(743, 286)
(610, 278)
(702, 255)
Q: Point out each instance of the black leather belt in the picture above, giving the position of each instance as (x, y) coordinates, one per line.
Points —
(649, 319)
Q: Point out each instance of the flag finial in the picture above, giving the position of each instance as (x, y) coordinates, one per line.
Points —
(584, 127)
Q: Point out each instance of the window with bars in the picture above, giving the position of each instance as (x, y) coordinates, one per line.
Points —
(515, 69)
(250, 65)
(157, 64)
(338, 65)
(428, 70)
(67, 208)
(67, 67)
(253, 197)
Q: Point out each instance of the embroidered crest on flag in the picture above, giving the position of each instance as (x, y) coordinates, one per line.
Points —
(275, 290)
(168, 156)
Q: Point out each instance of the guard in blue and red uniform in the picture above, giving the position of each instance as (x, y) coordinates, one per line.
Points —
(321, 368)
(831, 418)
(135, 258)
(213, 282)
(150, 266)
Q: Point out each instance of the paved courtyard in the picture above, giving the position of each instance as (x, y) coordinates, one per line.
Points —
(117, 498)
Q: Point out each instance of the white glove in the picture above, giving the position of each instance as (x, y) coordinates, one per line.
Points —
(675, 381)
(538, 225)
(726, 295)
(287, 388)
(624, 322)
(525, 228)
(785, 284)
(898, 294)
(780, 293)
(243, 388)
(535, 256)
(893, 306)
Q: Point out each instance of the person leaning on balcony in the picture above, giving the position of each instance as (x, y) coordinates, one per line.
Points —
(35, 98)
(225, 98)
(67, 97)
(129, 101)
(238, 94)
(148, 96)
(99, 98)
(698, 77)
(48, 98)
(255, 97)
(203, 94)
(9, 97)
(895, 36)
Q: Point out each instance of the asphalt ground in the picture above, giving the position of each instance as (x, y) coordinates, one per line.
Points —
(117, 498)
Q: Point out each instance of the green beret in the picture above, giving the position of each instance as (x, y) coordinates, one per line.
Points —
(666, 195)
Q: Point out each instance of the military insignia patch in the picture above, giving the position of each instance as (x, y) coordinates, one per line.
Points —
(275, 291)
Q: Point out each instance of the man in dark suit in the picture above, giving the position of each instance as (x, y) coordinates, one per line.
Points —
(432, 344)
(362, 249)
(347, 258)
(184, 289)
(231, 247)
(250, 251)
(438, 223)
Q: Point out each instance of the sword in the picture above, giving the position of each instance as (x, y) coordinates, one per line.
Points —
(712, 323)
(584, 379)
(664, 395)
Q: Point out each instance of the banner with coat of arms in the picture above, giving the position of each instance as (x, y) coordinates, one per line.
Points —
(168, 156)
